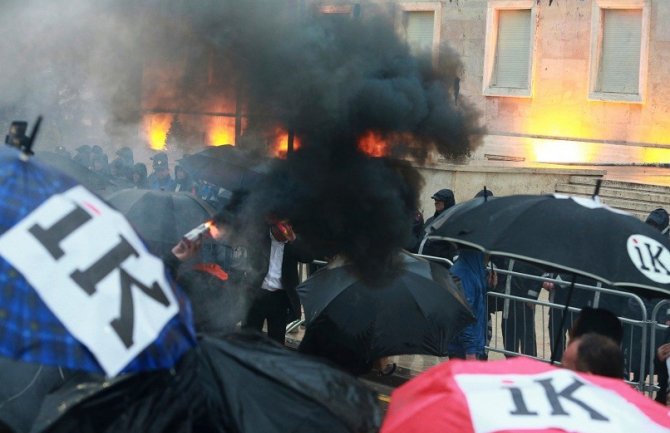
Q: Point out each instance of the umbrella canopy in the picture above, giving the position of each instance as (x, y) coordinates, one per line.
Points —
(161, 217)
(244, 383)
(574, 234)
(450, 213)
(519, 395)
(353, 323)
(225, 166)
(78, 288)
(24, 386)
(447, 215)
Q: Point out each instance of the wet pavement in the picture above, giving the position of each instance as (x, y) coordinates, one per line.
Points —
(408, 366)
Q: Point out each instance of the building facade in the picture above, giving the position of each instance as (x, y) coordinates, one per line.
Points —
(574, 81)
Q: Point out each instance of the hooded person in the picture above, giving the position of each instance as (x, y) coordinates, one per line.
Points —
(470, 272)
(140, 176)
(183, 180)
(659, 219)
(444, 199)
(99, 163)
(83, 155)
(126, 155)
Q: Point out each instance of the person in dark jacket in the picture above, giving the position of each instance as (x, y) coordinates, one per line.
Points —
(444, 199)
(661, 368)
(83, 155)
(659, 219)
(140, 176)
(274, 278)
(518, 317)
(183, 180)
(416, 235)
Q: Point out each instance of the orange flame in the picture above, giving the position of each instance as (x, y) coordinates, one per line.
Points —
(156, 128)
(372, 144)
(221, 130)
(279, 147)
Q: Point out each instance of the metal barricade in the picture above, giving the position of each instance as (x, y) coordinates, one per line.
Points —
(546, 326)
(658, 328)
(641, 330)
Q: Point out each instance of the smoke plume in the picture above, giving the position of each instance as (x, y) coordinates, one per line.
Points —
(93, 68)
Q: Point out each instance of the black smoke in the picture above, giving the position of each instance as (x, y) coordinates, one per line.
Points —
(329, 81)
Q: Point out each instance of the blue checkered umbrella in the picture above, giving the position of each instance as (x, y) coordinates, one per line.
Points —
(78, 289)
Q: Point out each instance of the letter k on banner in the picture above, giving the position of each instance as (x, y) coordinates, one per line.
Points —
(519, 395)
(93, 271)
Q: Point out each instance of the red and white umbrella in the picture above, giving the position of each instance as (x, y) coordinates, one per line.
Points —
(519, 395)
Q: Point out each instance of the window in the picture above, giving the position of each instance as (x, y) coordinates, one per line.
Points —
(341, 11)
(420, 25)
(419, 31)
(619, 50)
(508, 58)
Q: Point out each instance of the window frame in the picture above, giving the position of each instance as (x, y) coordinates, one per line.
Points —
(491, 47)
(597, 11)
(336, 9)
(417, 6)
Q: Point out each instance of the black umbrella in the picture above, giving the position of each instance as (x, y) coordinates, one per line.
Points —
(24, 386)
(573, 234)
(433, 228)
(577, 235)
(243, 383)
(225, 166)
(161, 217)
(354, 323)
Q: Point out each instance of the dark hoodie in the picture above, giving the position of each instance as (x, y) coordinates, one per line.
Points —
(440, 248)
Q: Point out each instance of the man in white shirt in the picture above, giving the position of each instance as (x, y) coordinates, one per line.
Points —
(276, 300)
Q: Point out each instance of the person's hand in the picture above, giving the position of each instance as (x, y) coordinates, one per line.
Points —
(492, 279)
(663, 352)
(186, 249)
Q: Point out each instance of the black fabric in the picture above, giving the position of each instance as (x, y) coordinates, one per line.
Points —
(662, 371)
(23, 388)
(243, 383)
(352, 323)
(225, 166)
(273, 307)
(441, 248)
(574, 236)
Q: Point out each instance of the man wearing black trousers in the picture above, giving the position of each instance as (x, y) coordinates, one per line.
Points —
(275, 265)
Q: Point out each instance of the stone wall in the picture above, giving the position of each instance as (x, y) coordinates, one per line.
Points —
(466, 181)
(559, 107)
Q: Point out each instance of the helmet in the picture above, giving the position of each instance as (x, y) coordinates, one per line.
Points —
(160, 160)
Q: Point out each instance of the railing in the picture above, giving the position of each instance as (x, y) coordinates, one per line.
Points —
(546, 326)
(640, 328)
